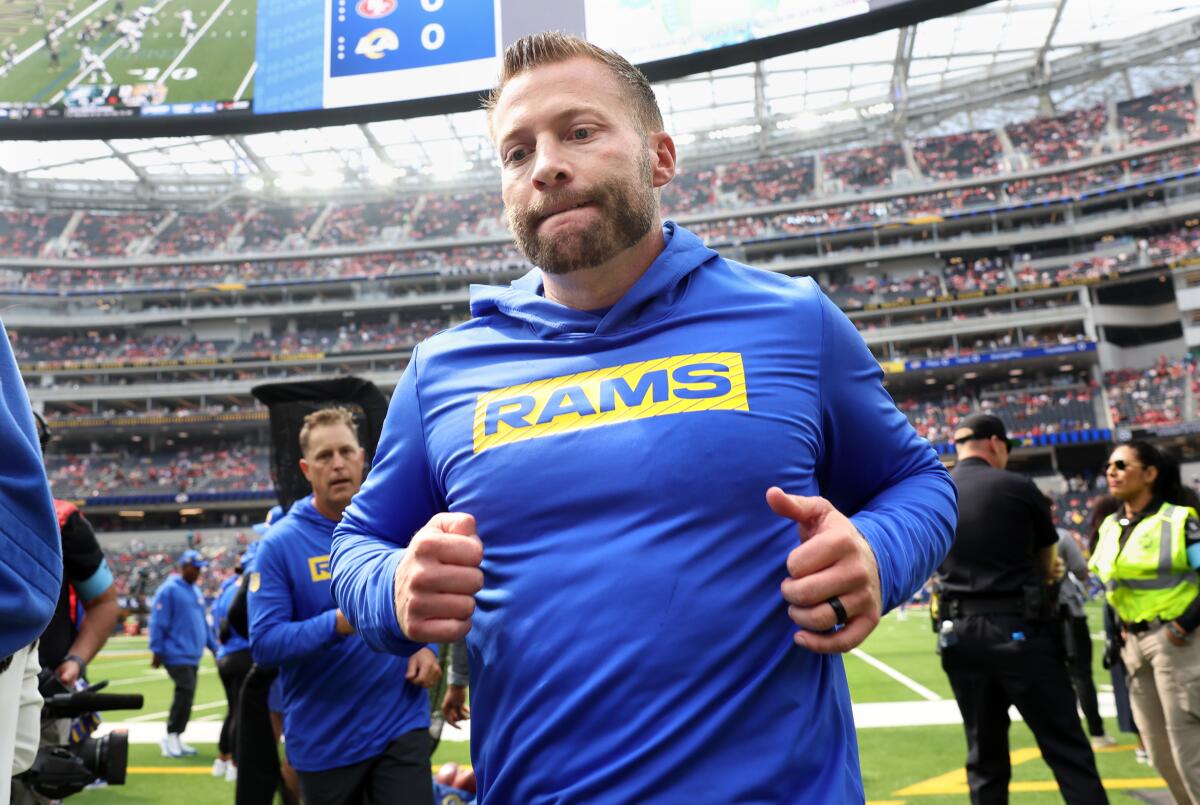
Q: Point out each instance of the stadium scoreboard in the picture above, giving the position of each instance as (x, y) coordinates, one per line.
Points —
(68, 60)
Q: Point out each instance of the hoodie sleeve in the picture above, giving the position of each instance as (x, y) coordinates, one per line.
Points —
(275, 637)
(876, 469)
(397, 499)
(161, 612)
(31, 564)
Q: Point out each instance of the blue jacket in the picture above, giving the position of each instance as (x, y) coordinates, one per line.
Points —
(179, 629)
(342, 702)
(31, 563)
(220, 609)
(631, 628)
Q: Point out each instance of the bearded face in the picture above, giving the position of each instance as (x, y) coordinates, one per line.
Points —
(626, 209)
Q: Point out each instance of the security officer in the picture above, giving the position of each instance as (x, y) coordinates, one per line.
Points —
(1147, 555)
(997, 639)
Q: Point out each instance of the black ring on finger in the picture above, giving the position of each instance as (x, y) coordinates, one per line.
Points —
(839, 611)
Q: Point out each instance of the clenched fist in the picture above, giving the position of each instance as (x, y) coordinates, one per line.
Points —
(437, 579)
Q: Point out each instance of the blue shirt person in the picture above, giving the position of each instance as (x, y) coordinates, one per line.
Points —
(575, 480)
(179, 633)
(31, 563)
(357, 722)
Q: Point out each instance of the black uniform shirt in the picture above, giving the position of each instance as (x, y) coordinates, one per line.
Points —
(81, 559)
(1003, 522)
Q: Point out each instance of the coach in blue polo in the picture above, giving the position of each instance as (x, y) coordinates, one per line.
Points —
(179, 633)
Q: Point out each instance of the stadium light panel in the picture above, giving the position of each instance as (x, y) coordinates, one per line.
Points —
(254, 184)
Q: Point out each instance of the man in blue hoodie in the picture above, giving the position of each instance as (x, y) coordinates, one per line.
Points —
(576, 476)
(357, 722)
(179, 634)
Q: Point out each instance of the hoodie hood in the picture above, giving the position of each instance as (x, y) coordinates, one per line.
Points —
(650, 298)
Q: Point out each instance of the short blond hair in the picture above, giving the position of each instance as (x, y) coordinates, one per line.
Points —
(552, 47)
(334, 415)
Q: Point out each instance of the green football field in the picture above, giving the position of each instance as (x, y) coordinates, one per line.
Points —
(900, 764)
(215, 63)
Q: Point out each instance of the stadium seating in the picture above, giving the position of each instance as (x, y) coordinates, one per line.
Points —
(958, 156)
(1161, 395)
(1163, 115)
(1062, 138)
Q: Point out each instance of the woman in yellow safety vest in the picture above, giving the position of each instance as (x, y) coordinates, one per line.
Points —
(1147, 555)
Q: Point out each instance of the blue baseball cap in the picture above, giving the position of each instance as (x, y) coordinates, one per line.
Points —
(190, 558)
(273, 516)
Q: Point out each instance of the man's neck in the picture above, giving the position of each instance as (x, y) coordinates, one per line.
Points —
(603, 285)
(328, 510)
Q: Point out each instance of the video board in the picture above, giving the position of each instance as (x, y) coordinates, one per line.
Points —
(90, 60)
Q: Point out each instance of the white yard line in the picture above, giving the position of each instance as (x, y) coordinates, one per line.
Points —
(165, 74)
(160, 677)
(908, 682)
(108, 52)
(164, 713)
(245, 81)
(71, 23)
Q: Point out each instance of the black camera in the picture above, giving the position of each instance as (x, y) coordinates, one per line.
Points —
(60, 771)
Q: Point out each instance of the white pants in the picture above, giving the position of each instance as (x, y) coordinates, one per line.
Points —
(20, 717)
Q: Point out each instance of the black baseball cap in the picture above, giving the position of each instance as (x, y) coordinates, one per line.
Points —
(983, 426)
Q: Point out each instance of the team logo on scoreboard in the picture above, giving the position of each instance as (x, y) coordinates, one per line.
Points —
(378, 42)
(375, 9)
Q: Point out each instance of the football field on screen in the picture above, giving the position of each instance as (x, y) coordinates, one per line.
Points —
(896, 680)
(214, 63)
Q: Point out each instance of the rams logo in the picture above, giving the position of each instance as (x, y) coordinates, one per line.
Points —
(706, 381)
(255, 582)
(318, 566)
(378, 42)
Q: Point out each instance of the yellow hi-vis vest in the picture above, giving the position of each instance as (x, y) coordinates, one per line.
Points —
(1149, 578)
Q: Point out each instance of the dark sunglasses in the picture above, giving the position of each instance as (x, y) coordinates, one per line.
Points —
(1120, 465)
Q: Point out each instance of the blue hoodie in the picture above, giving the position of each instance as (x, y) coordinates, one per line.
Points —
(631, 628)
(179, 629)
(220, 609)
(31, 564)
(342, 702)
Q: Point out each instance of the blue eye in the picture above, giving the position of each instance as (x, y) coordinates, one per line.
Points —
(581, 134)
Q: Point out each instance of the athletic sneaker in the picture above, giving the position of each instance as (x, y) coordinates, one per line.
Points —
(170, 746)
(1141, 756)
(231, 773)
(220, 767)
(1103, 741)
(184, 749)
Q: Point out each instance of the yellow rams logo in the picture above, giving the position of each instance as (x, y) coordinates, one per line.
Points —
(318, 566)
(377, 43)
(704, 381)
(255, 582)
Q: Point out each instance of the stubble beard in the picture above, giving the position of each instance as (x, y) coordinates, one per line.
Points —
(627, 211)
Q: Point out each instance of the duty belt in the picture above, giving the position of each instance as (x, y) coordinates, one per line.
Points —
(964, 607)
(1141, 627)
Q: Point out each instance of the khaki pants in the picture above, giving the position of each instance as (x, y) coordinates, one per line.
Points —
(1164, 690)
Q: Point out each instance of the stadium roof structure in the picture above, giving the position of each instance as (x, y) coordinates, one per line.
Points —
(1004, 61)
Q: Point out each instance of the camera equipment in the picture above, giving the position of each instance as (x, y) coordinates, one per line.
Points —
(59, 771)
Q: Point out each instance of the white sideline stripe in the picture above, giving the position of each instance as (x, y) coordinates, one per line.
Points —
(908, 682)
(245, 81)
(161, 716)
(162, 77)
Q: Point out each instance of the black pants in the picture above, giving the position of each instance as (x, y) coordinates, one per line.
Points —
(255, 747)
(184, 677)
(400, 775)
(1002, 660)
(1080, 668)
(233, 668)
